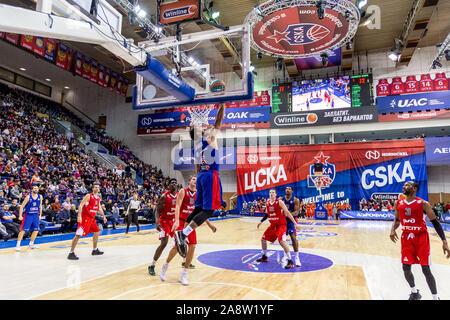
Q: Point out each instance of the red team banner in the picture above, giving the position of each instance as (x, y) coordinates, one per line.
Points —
(350, 173)
(440, 82)
(86, 68)
(63, 56)
(94, 71)
(397, 86)
(27, 42)
(79, 63)
(12, 37)
(411, 85)
(383, 88)
(425, 83)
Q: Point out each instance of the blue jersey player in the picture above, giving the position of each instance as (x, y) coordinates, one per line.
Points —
(293, 205)
(209, 187)
(30, 213)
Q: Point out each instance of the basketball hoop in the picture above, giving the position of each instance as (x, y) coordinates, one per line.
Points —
(199, 117)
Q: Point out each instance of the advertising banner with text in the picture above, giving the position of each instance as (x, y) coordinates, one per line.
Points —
(437, 150)
(323, 117)
(414, 102)
(350, 172)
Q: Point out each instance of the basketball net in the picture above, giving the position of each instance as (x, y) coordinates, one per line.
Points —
(199, 117)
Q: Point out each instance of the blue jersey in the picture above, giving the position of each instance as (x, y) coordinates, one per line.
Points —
(290, 206)
(289, 203)
(205, 156)
(33, 206)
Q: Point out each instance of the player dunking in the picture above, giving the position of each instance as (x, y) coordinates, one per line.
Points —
(32, 206)
(209, 187)
(293, 205)
(415, 241)
(277, 212)
(165, 219)
(86, 221)
(184, 206)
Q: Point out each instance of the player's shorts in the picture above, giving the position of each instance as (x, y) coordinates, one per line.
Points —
(209, 190)
(166, 228)
(192, 237)
(87, 225)
(275, 232)
(416, 248)
(290, 227)
(30, 223)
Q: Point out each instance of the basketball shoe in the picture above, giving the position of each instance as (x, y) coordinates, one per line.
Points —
(415, 296)
(180, 239)
(164, 268)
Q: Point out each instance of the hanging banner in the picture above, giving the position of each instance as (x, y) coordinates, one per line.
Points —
(61, 57)
(79, 63)
(383, 88)
(50, 49)
(397, 86)
(414, 102)
(440, 82)
(112, 86)
(107, 77)
(183, 159)
(27, 42)
(425, 83)
(94, 71)
(351, 172)
(119, 85)
(86, 70)
(39, 46)
(70, 54)
(12, 37)
(411, 85)
(2, 35)
(101, 75)
(437, 151)
(125, 87)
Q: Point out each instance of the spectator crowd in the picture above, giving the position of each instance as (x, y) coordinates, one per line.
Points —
(33, 152)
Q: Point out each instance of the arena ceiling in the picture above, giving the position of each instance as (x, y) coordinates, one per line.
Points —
(433, 16)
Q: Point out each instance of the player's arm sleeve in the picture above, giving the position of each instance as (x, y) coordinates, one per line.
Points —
(159, 207)
(433, 219)
(396, 223)
(265, 217)
(22, 206)
(180, 198)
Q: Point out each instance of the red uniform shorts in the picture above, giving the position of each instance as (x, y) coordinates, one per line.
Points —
(192, 237)
(275, 232)
(166, 228)
(416, 248)
(87, 225)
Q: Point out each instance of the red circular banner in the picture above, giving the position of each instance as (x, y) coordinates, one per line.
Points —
(298, 31)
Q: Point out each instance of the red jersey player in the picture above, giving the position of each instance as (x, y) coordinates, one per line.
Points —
(415, 242)
(86, 220)
(165, 218)
(185, 204)
(277, 212)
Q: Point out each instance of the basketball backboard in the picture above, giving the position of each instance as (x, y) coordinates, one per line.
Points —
(207, 56)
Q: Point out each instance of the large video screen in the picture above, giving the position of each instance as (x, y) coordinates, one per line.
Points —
(320, 94)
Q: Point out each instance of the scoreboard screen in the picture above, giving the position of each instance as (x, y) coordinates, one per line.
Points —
(361, 90)
(282, 98)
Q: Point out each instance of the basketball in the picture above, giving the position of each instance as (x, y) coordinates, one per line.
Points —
(217, 86)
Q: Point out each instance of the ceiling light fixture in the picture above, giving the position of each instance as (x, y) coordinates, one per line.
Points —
(48, 79)
(23, 69)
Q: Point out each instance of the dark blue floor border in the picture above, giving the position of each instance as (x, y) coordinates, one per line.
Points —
(69, 236)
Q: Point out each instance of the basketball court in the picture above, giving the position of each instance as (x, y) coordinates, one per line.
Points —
(346, 260)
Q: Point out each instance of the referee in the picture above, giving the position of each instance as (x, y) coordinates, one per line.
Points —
(132, 212)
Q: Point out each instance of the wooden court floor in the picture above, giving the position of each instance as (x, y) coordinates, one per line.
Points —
(365, 265)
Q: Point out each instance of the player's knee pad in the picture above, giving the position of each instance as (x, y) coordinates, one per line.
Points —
(202, 217)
